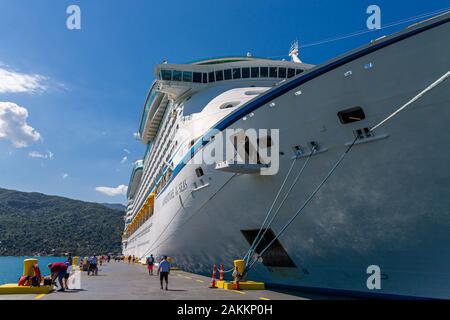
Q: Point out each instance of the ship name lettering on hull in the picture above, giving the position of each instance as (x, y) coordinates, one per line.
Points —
(175, 191)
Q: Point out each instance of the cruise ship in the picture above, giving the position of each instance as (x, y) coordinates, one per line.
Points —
(351, 168)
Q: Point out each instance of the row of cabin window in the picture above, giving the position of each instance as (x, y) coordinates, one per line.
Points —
(229, 74)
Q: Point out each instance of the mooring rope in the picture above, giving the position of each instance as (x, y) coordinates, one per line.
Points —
(252, 249)
(433, 85)
(304, 204)
(417, 97)
(271, 207)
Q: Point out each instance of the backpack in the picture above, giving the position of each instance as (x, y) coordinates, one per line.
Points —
(47, 282)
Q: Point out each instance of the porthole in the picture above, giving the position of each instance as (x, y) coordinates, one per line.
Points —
(199, 172)
(351, 115)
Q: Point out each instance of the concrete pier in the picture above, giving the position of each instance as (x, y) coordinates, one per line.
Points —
(123, 281)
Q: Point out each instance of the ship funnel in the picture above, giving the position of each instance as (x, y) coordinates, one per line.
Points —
(293, 52)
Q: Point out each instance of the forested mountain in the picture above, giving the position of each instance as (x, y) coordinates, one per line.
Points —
(34, 223)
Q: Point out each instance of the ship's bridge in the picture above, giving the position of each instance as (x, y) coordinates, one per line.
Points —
(177, 81)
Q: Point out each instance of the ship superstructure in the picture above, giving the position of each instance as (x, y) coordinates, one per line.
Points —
(189, 98)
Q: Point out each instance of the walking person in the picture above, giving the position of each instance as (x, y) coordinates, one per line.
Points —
(69, 258)
(163, 271)
(93, 265)
(129, 259)
(150, 262)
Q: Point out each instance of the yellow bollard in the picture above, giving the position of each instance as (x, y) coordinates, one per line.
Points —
(238, 283)
(239, 265)
(28, 267)
(85, 263)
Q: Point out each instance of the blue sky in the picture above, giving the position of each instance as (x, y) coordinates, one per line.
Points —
(83, 90)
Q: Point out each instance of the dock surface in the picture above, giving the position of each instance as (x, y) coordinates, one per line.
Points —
(123, 281)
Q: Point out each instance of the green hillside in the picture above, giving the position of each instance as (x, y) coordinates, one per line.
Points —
(34, 223)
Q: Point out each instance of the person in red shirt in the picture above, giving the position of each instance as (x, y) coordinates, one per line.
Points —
(58, 270)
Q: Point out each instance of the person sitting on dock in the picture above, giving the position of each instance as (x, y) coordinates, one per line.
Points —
(36, 278)
(163, 271)
(150, 262)
(58, 270)
(33, 280)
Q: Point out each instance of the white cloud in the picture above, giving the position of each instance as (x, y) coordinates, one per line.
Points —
(35, 154)
(14, 126)
(16, 82)
(126, 151)
(124, 159)
(65, 175)
(112, 192)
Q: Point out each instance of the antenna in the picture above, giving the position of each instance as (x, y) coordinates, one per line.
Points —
(293, 52)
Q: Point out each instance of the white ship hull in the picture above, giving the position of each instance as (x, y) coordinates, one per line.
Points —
(387, 204)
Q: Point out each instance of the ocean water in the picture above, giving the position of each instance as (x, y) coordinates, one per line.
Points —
(11, 267)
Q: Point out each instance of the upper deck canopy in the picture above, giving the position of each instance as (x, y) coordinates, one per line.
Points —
(226, 59)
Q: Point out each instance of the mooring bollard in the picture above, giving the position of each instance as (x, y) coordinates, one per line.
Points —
(213, 280)
(221, 272)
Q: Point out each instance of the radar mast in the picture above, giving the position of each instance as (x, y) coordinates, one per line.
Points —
(293, 52)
